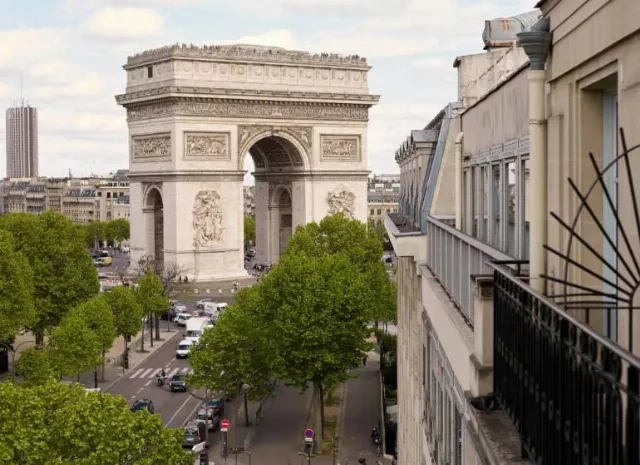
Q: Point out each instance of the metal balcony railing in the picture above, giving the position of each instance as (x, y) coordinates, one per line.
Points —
(453, 257)
(573, 394)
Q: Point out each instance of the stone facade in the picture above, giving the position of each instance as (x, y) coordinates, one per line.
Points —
(195, 113)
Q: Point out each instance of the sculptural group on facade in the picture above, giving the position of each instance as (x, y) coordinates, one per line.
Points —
(206, 146)
(208, 227)
(341, 201)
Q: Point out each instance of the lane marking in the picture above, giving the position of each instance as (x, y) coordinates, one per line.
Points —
(193, 412)
(136, 373)
(132, 397)
(158, 370)
(146, 373)
(148, 383)
(173, 372)
(186, 370)
(139, 390)
(167, 365)
(172, 360)
(177, 411)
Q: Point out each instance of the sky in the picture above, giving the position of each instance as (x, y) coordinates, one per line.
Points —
(70, 55)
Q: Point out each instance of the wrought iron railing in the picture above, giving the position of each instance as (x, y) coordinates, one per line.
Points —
(453, 257)
(573, 394)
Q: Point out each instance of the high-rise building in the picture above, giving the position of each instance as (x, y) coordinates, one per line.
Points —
(22, 142)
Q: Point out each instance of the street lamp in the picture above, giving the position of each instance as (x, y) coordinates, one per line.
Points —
(245, 391)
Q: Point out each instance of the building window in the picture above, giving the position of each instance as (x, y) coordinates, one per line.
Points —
(524, 206)
(379, 211)
(465, 199)
(149, 72)
(371, 212)
(495, 222)
(509, 214)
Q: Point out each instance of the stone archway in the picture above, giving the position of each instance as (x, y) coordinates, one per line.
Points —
(195, 113)
(154, 227)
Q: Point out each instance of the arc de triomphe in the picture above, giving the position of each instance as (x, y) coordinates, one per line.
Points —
(194, 113)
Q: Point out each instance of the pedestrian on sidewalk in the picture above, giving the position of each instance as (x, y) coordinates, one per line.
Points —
(364, 360)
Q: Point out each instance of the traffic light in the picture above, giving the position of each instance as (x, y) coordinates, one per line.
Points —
(204, 458)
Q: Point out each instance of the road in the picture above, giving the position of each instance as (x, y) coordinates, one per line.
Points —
(140, 383)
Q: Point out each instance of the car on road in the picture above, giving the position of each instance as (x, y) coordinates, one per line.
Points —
(182, 318)
(193, 434)
(208, 417)
(184, 348)
(143, 404)
(216, 404)
(200, 304)
(178, 383)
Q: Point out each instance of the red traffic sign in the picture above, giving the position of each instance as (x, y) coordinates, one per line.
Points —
(309, 433)
(224, 423)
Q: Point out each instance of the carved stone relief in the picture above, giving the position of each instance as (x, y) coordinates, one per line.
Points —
(340, 148)
(153, 147)
(206, 145)
(251, 109)
(208, 219)
(341, 201)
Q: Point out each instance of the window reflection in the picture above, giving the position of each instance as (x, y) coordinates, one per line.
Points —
(495, 206)
(524, 180)
(510, 210)
(474, 202)
(486, 186)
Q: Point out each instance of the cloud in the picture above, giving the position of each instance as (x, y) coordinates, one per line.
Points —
(124, 23)
(431, 63)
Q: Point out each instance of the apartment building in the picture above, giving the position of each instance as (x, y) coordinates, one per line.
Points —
(80, 199)
(383, 196)
(516, 289)
(249, 201)
(22, 141)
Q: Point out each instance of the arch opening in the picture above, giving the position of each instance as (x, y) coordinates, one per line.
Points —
(155, 225)
(275, 152)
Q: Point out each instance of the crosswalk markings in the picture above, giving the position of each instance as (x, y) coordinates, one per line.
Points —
(146, 373)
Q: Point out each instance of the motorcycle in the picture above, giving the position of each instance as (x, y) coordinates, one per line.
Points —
(375, 436)
(160, 380)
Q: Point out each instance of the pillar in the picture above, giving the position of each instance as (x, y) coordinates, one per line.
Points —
(536, 44)
(458, 181)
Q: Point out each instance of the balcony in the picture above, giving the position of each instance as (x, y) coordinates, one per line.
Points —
(406, 238)
(454, 258)
(573, 394)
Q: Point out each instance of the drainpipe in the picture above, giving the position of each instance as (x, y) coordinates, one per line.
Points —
(537, 44)
(459, 187)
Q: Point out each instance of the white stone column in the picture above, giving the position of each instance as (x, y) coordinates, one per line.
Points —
(262, 221)
(536, 44)
(458, 181)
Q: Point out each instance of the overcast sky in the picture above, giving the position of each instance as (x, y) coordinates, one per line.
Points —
(70, 53)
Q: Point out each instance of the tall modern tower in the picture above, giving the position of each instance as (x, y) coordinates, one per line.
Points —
(22, 142)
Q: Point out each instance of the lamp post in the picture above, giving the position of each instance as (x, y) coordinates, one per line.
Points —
(245, 391)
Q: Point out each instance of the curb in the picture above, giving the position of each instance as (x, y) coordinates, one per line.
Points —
(140, 362)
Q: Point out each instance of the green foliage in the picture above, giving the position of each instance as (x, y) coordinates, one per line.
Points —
(127, 311)
(98, 316)
(57, 424)
(74, 347)
(249, 229)
(318, 310)
(16, 290)
(378, 228)
(63, 272)
(150, 294)
(117, 230)
(35, 365)
(239, 349)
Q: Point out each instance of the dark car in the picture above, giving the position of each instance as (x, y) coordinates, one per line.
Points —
(143, 404)
(193, 433)
(178, 383)
(217, 405)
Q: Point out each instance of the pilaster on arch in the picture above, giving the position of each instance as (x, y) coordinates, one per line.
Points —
(300, 137)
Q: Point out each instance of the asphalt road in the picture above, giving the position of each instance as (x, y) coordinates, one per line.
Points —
(175, 408)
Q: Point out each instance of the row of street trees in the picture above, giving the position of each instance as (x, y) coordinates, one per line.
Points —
(111, 231)
(49, 286)
(306, 322)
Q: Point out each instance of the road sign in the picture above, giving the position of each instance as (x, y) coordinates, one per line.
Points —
(308, 435)
(224, 425)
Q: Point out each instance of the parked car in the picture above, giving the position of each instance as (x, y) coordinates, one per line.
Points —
(193, 434)
(216, 404)
(178, 383)
(143, 404)
(209, 417)
(200, 304)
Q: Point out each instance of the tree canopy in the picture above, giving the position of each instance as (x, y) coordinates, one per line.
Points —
(126, 310)
(16, 290)
(249, 229)
(63, 272)
(112, 230)
(98, 316)
(58, 424)
(74, 348)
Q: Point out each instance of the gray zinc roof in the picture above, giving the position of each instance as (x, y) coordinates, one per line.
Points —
(502, 32)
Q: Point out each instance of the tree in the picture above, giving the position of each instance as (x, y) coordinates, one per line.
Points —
(237, 351)
(150, 295)
(127, 314)
(249, 229)
(94, 233)
(36, 366)
(63, 272)
(339, 235)
(16, 290)
(117, 230)
(98, 316)
(378, 228)
(59, 424)
(74, 347)
(318, 308)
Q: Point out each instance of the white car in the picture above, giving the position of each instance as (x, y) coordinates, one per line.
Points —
(184, 348)
(182, 318)
(203, 302)
(209, 417)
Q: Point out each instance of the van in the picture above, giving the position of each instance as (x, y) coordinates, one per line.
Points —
(184, 348)
(195, 327)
